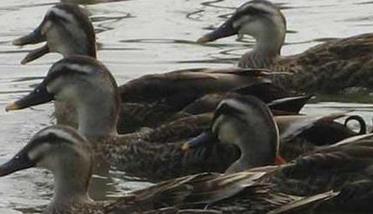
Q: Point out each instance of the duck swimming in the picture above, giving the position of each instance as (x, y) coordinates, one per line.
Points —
(331, 67)
(344, 168)
(67, 30)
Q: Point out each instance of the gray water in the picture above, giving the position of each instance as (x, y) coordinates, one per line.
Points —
(140, 37)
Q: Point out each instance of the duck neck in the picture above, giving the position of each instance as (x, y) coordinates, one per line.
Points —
(262, 153)
(71, 186)
(265, 52)
(98, 117)
(79, 48)
(256, 150)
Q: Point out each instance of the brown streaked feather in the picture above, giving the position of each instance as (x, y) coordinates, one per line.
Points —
(325, 169)
(304, 203)
(158, 161)
(197, 191)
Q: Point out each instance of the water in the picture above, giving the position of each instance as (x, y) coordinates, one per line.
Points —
(140, 37)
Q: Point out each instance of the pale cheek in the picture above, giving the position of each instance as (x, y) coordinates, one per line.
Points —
(228, 133)
(54, 40)
(46, 27)
(254, 29)
(48, 162)
(68, 94)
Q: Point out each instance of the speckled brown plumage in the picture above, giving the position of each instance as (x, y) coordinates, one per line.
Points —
(331, 67)
(339, 168)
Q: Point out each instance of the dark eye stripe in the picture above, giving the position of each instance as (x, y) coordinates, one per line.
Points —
(226, 109)
(56, 18)
(64, 71)
(251, 9)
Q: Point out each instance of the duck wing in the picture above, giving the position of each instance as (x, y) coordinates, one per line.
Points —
(179, 88)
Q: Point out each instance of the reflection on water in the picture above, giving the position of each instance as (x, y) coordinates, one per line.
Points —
(140, 37)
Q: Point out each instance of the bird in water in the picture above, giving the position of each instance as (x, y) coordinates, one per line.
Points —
(332, 67)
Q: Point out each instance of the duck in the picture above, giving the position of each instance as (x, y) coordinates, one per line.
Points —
(333, 67)
(344, 168)
(154, 154)
(67, 30)
(68, 156)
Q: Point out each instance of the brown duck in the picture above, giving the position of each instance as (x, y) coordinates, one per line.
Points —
(332, 67)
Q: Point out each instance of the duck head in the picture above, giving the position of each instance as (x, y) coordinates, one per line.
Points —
(248, 123)
(87, 85)
(258, 18)
(66, 29)
(62, 151)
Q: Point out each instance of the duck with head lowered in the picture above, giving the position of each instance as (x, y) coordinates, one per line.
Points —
(329, 68)
(344, 168)
(147, 101)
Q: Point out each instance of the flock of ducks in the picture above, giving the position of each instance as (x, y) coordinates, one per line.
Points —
(227, 140)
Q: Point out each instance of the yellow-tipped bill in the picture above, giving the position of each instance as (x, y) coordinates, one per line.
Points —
(11, 107)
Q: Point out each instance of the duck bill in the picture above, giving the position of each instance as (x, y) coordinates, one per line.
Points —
(204, 139)
(33, 38)
(38, 96)
(18, 162)
(224, 30)
(35, 54)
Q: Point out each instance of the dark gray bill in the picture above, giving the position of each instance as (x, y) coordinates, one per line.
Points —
(33, 38)
(38, 96)
(204, 139)
(224, 30)
(34, 54)
(18, 162)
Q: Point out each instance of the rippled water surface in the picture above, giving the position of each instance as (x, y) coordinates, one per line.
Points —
(139, 37)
